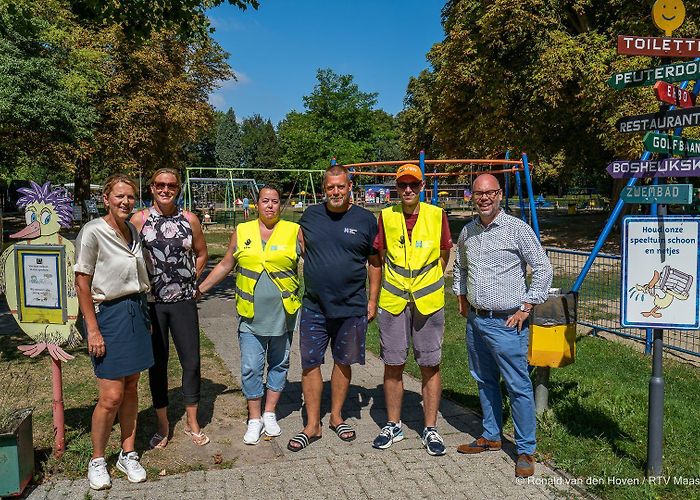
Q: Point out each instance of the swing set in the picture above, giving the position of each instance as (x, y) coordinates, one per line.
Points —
(507, 166)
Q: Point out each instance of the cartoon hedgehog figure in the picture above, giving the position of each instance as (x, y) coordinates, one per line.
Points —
(47, 211)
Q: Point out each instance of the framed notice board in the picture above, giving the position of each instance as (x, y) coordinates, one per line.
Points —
(40, 273)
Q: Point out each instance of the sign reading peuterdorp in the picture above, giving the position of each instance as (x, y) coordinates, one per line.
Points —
(658, 46)
(669, 73)
(668, 167)
(660, 268)
(656, 142)
(660, 121)
(669, 194)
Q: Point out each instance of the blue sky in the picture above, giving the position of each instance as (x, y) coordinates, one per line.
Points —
(276, 50)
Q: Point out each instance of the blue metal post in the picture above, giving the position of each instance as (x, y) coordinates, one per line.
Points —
(421, 163)
(531, 196)
(507, 186)
(518, 184)
(434, 199)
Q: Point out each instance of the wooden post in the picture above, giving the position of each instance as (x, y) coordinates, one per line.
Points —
(59, 428)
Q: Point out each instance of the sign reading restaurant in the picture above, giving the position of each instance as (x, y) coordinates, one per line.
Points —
(669, 73)
(658, 46)
(668, 167)
(660, 121)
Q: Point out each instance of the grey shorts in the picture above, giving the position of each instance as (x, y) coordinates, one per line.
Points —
(395, 333)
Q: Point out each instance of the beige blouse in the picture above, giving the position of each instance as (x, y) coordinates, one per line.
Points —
(117, 270)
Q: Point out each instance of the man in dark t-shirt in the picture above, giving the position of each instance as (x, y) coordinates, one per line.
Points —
(338, 242)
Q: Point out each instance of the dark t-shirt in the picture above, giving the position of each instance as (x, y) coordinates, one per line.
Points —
(336, 251)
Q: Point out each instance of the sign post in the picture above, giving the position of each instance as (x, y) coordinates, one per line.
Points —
(666, 194)
(661, 262)
(657, 142)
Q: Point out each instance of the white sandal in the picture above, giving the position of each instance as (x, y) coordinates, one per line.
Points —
(198, 438)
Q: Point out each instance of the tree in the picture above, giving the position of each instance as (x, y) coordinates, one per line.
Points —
(45, 80)
(260, 148)
(140, 18)
(340, 120)
(228, 141)
(532, 74)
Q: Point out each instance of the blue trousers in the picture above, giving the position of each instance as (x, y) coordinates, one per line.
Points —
(496, 351)
(254, 350)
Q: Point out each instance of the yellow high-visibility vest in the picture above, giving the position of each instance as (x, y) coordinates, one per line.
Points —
(412, 269)
(279, 259)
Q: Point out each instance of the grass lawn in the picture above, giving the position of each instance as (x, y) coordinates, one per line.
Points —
(26, 382)
(596, 427)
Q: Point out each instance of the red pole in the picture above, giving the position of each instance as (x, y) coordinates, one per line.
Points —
(59, 428)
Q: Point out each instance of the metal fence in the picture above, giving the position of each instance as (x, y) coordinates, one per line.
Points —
(599, 298)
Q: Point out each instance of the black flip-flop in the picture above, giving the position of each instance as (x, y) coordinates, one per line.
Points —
(344, 428)
(302, 440)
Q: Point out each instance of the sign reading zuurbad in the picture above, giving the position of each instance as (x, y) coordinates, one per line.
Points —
(660, 267)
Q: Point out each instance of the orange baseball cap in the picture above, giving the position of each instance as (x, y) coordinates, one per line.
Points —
(411, 170)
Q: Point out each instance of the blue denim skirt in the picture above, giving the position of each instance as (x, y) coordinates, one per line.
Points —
(126, 329)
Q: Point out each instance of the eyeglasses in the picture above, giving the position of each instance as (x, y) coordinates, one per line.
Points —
(491, 193)
(404, 185)
(162, 185)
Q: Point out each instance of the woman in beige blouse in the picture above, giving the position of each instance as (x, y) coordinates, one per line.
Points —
(111, 281)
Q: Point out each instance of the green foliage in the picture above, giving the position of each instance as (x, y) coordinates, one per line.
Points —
(44, 107)
(340, 121)
(141, 18)
(228, 141)
(259, 145)
(532, 74)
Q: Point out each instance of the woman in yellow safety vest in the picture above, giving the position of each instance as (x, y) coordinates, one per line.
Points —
(266, 252)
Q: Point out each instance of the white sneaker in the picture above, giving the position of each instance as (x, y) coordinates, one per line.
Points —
(98, 475)
(255, 429)
(129, 465)
(272, 428)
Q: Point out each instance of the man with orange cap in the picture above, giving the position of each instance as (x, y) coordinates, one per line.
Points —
(414, 243)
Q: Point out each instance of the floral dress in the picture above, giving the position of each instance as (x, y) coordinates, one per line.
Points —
(170, 259)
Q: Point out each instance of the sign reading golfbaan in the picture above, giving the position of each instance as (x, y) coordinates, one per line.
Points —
(656, 142)
(674, 95)
(672, 194)
(658, 46)
(668, 167)
(669, 73)
(660, 121)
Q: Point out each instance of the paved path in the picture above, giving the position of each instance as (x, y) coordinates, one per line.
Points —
(330, 468)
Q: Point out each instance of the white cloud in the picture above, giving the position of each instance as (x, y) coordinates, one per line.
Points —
(218, 101)
(226, 24)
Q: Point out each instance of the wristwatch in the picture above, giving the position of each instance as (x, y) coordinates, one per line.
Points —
(525, 309)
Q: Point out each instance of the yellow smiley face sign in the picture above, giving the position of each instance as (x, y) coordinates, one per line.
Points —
(668, 15)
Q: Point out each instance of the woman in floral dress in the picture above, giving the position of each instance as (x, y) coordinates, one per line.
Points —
(176, 255)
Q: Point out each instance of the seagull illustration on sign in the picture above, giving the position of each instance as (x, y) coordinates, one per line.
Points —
(664, 287)
(46, 212)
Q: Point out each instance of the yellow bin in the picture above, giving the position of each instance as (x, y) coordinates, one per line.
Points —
(552, 346)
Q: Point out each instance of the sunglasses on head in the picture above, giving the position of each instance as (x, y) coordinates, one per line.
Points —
(403, 185)
(162, 185)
